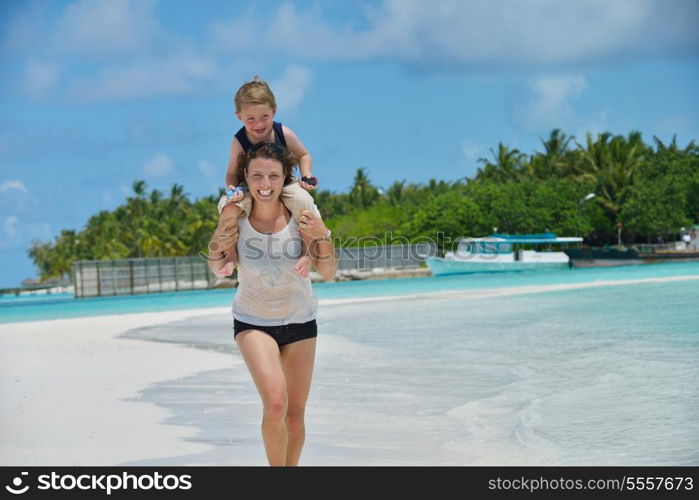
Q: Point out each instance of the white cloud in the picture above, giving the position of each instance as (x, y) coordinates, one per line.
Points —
(213, 175)
(290, 32)
(102, 27)
(228, 34)
(159, 166)
(548, 103)
(16, 233)
(15, 199)
(209, 170)
(13, 185)
(9, 226)
(471, 149)
(130, 55)
(473, 34)
(9, 231)
(175, 75)
(107, 199)
(39, 78)
(290, 88)
(593, 125)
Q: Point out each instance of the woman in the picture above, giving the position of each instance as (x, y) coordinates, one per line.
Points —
(274, 309)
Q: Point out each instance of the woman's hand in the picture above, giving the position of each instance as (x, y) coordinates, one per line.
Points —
(311, 225)
(320, 245)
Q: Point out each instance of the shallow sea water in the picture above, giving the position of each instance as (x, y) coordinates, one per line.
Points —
(606, 375)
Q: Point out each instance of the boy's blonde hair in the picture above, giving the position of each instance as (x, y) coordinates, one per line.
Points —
(254, 92)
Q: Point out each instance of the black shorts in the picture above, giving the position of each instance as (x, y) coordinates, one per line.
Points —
(282, 334)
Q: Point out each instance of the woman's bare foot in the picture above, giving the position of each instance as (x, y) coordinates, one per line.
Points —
(223, 255)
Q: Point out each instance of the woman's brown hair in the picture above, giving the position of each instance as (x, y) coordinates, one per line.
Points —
(269, 150)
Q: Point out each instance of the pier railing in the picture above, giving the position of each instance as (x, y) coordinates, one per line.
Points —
(97, 278)
(366, 258)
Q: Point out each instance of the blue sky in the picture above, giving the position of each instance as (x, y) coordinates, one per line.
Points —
(99, 93)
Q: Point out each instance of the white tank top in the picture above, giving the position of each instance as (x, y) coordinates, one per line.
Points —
(270, 292)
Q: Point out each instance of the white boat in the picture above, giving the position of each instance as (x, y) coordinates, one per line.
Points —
(503, 252)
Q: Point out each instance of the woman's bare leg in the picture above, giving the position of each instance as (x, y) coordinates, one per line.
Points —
(297, 362)
(261, 355)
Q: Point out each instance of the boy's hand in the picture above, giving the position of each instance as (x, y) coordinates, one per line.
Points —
(309, 183)
(234, 194)
(303, 266)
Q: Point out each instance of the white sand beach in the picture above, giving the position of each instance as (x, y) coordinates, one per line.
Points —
(66, 385)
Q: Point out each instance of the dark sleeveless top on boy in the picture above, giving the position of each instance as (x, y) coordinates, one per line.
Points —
(246, 144)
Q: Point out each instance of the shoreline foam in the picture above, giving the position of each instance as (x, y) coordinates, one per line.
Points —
(483, 293)
(469, 293)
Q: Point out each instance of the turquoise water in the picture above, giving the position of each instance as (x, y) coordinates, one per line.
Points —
(580, 376)
(30, 308)
(607, 375)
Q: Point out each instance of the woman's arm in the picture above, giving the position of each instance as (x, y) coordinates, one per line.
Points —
(325, 259)
(315, 236)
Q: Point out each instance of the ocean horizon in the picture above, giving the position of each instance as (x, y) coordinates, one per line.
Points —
(60, 306)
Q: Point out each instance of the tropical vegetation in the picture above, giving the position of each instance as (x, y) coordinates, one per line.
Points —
(647, 191)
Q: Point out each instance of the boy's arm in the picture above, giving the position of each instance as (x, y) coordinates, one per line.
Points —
(299, 150)
(231, 210)
(232, 172)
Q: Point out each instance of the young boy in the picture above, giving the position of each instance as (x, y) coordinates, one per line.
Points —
(255, 106)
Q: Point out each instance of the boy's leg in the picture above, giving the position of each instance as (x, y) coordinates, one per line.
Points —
(223, 255)
(244, 205)
(297, 199)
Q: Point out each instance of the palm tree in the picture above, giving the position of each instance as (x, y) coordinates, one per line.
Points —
(673, 149)
(177, 196)
(507, 165)
(394, 194)
(612, 162)
(363, 194)
(155, 198)
(41, 254)
(552, 162)
(139, 188)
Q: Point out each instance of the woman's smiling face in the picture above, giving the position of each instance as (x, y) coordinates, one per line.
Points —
(265, 179)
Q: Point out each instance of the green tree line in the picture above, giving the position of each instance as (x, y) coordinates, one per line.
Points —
(651, 190)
